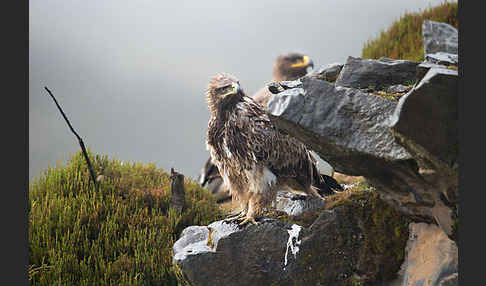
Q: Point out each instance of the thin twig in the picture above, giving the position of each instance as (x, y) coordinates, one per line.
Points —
(79, 138)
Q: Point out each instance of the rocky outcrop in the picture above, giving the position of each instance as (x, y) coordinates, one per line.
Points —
(351, 129)
(376, 74)
(439, 37)
(348, 243)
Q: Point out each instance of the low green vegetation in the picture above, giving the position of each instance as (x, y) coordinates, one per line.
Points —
(119, 234)
(403, 40)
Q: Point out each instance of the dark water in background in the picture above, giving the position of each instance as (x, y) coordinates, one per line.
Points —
(131, 75)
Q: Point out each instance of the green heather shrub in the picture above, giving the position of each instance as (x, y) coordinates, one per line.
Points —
(119, 234)
(403, 40)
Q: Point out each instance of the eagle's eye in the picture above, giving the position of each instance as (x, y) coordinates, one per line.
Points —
(229, 89)
(302, 62)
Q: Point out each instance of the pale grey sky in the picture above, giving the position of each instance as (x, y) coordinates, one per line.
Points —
(131, 75)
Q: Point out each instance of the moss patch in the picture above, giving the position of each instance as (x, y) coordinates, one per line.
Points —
(393, 96)
(387, 95)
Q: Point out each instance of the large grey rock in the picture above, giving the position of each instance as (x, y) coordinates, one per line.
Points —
(431, 257)
(330, 251)
(344, 126)
(439, 37)
(255, 254)
(350, 129)
(378, 74)
(426, 121)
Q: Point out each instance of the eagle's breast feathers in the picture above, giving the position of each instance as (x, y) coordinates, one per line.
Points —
(248, 149)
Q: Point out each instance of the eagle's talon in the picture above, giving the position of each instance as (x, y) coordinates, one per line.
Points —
(233, 218)
(234, 215)
(247, 220)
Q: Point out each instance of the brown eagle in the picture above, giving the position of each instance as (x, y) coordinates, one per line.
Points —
(287, 67)
(290, 66)
(252, 156)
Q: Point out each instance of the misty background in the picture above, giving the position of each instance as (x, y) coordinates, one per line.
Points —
(131, 75)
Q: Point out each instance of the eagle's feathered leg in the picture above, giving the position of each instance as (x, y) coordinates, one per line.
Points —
(239, 195)
(263, 190)
(255, 208)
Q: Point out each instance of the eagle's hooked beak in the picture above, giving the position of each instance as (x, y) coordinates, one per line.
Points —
(236, 87)
(306, 62)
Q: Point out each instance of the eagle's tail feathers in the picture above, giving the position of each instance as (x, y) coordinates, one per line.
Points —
(322, 189)
(206, 172)
(325, 185)
(331, 182)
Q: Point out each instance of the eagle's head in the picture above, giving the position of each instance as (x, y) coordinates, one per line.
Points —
(223, 91)
(291, 66)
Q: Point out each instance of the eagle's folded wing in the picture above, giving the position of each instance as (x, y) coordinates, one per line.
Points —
(259, 141)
